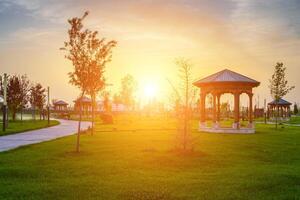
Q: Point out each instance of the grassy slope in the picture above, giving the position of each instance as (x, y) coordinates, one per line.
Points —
(26, 125)
(140, 165)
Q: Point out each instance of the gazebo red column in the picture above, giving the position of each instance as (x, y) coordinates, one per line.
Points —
(250, 110)
(214, 120)
(236, 123)
(218, 109)
(202, 109)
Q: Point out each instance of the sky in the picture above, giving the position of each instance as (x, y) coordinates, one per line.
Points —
(246, 36)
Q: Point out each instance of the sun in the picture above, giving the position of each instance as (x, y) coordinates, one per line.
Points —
(150, 90)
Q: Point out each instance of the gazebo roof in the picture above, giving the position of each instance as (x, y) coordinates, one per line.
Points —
(60, 102)
(226, 76)
(84, 99)
(281, 102)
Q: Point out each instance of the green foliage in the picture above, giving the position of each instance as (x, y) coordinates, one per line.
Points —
(14, 95)
(134, 159)
(17, 93)
(278, 83)
(37, 96)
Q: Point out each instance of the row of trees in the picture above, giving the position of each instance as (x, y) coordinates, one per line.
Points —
(125, 96)
(21, 93)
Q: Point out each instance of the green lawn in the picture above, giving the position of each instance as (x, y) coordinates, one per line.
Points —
(294, 120)
(25, 125)
(133, 159)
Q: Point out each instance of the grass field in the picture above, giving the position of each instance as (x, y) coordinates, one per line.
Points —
(135, 159)
(294, 120)
(25, 125)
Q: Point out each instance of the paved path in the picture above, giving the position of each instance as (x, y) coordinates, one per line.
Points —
(65, 128)
(273, 123)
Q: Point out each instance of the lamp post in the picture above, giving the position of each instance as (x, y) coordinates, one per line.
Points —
(48, 105)
(4, 102)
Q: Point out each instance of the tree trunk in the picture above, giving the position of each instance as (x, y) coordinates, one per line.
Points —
(79, 122)
(276, 117)
(93, 113)
(14, 114)
(34, 117)
(186, 114)
(22, 113)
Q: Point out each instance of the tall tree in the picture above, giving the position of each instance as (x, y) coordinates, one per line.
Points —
(25, 89)
(128, 89)
(14, 95)
(89, 56)
(279, 86)
(296, 111)
(37, 98)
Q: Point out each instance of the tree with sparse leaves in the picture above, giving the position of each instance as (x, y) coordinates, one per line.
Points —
(279, 86)
(89, 56)
(128, 89)
(184, 94)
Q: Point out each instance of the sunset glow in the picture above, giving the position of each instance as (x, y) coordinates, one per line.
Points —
(149, 99)
(213, 34)
(150, 90)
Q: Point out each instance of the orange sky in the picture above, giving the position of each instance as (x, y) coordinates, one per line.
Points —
(151, 35)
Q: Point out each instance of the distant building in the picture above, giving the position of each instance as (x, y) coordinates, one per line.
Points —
(282, 106)
(60, 105)
(86, 104)
(114, 107)
(99, 107)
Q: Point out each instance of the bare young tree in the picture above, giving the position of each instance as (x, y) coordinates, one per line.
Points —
(89, 56)
(279, 86)
(185, 98)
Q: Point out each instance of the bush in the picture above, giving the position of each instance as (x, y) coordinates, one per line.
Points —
(107, 118)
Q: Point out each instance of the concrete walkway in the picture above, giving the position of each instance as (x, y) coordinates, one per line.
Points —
(65, 128)
(273, 123)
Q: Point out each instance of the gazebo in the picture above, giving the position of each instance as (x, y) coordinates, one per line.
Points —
(283, 108)
(217, 84)
(60, 105)
(86, 104)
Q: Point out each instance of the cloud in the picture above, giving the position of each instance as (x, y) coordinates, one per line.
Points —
(266, 27)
